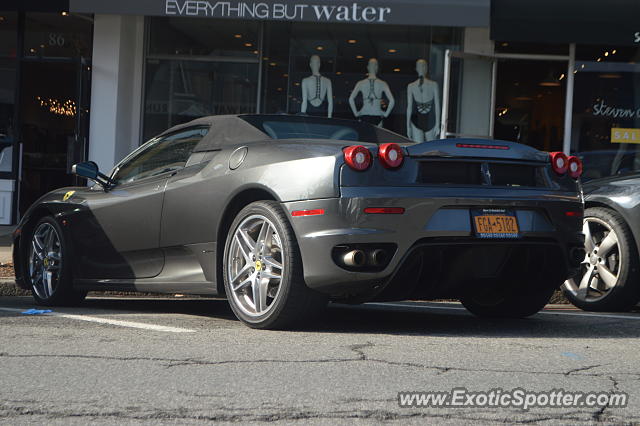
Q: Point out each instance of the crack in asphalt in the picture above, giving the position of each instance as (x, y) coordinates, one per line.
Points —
(357, 348)
(597, 416)
(575, 370)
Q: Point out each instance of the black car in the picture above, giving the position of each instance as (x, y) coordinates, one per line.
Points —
(608, 278)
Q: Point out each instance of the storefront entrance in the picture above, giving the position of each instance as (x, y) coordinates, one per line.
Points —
(53, 124)
(519, 98)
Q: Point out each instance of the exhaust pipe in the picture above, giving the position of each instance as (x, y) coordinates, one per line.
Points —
(377, 257)
(354, 258)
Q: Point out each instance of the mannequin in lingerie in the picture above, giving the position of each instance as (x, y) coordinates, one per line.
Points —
(372, 89)
(317, 93)
(423, 106)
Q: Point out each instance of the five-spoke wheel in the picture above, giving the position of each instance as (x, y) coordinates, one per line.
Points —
(263, 270)
(46, 268)
(605, 281)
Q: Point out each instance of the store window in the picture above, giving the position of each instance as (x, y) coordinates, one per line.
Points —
(52, 35)
(198, 67)
(344, 52)
(606, 110)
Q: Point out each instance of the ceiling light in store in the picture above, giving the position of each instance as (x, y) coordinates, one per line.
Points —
(581, 66)
(279, 89)
(613, 52)
(359, 57)
(610, 76)
(237, 35)
(248, 44)
(396, 70)
(32, 50)
(523, 98)
(296, 84)
(338, 72)
(599, 59)
(65, 13)
(561, 76)
(392, 50)
(606, 53)
(550, 81)
(352, 41)
(285, 75)
(505, 44)
(255, 52)
(1, 18)
(273, 64)
(42, 46)
(319, 47)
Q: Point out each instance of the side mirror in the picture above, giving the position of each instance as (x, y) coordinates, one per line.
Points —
(87, 169)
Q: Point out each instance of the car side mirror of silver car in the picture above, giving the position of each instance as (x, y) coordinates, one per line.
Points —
(89, 170)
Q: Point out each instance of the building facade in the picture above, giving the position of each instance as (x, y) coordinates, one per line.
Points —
(88, 79)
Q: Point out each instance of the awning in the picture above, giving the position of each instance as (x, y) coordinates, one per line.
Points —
(461, 13)
(612, 22)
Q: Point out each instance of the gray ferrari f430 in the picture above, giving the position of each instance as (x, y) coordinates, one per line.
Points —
(284, 213)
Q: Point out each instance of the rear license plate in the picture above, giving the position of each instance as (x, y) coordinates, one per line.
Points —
(495, 223)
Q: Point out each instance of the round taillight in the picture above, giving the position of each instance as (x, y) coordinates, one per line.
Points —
(559, 162)
(357, 157)
(574, 167)
(390, 155)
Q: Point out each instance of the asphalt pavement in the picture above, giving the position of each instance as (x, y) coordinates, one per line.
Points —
(181, 360)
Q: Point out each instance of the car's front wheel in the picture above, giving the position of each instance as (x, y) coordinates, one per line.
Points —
(608, 278)
(263, 270)
(47, 268)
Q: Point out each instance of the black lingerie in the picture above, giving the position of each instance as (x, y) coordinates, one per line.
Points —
(423, 116)
(376, 120)
(321, 110)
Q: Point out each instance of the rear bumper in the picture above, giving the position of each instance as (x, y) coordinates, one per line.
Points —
(432, 216)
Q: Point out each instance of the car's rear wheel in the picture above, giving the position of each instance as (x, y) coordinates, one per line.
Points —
(508, 300)
(608, 278)
(47, 267)
(263, 270)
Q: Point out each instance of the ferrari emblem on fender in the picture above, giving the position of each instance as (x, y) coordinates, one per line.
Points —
(68, 195)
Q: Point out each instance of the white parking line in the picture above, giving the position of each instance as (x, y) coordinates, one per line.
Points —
(456, 308)
(118, 323)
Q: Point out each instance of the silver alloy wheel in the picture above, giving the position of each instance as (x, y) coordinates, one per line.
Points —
(255, 265)
(601, 266)
(45, 260)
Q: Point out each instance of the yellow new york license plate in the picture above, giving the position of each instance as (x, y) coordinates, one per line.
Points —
(495, 223)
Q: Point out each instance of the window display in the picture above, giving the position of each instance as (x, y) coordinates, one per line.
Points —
(317, 93)
(372, 89)
(606, 110)
(423, 106)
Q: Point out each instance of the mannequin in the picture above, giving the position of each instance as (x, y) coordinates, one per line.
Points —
(317, 93)
(372, 89)
(423, 106)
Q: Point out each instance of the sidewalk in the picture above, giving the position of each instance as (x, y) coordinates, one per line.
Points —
(5, 243)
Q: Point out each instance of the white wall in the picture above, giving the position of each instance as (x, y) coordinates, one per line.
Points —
(475, 102)
(116, 88)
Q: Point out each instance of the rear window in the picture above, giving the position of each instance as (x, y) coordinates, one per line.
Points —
(301, 127)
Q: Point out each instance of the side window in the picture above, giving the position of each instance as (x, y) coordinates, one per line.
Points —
(160, 155)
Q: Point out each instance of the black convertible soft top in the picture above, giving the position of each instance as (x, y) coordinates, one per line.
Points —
(238, 129)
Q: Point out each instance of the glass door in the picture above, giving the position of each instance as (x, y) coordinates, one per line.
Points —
(50, 128)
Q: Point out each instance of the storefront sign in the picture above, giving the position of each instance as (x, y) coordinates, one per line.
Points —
(619, 135)
(600, 108)
(460, 13)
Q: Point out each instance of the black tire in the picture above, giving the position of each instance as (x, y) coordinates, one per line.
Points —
(505, 302)
(295, 304)
(63, 292)
(625, 294)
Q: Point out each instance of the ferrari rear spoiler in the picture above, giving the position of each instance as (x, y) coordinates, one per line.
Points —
(477, 148)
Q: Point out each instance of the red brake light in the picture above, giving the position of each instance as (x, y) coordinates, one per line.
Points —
(357, 157)
(559, 162)
(574, 166)
(384, 210)
(481, 146)
(390, 155)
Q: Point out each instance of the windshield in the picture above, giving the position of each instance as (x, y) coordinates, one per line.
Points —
(302, 127)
